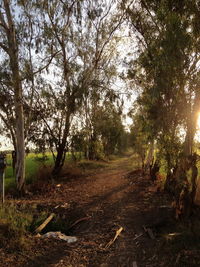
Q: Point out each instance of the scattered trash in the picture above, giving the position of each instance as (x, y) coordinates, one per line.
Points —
(60, 236)
(44, 224)
(113, 240)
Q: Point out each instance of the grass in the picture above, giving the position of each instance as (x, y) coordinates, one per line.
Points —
(38, 169)
(14, 225)
(34, 163)
(18, 222)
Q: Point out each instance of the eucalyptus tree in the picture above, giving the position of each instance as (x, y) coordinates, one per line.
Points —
(10, 50)
(80, 31)
(7, 114)
(109, 127)
(21, 66)
(168, 33)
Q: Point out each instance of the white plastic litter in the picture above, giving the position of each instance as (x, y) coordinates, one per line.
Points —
(60, 236)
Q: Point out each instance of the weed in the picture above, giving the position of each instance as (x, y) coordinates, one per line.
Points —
(14, 226)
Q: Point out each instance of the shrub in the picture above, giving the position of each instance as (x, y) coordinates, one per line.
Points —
(41, 181)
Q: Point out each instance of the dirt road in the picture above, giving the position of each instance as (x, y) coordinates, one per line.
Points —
(106, 201)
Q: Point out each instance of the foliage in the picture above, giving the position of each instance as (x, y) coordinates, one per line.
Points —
(167, 67)
(138, 138)
(167, 71)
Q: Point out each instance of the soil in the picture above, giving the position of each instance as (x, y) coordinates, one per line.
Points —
(94, 208)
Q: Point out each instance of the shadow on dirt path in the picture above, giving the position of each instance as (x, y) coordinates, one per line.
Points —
(112, 198)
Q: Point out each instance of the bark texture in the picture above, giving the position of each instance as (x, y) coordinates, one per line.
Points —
(12, 50)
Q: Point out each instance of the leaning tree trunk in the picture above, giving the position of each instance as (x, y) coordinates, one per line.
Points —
(17, 86)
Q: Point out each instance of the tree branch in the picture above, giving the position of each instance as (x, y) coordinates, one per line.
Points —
(4, 47)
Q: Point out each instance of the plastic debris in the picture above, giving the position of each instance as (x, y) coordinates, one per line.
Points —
(60, 236)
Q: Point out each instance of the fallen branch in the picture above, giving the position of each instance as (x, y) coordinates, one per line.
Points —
(137, 236)
(44, 224)
(118, 232)
(78, 221)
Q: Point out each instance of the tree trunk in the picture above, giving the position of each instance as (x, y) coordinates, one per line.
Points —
(149, 159)
(185, 196)
(191, 126)
(61, 149)
(18, 98)
(154, 171)
(60, 159)
(188, 145)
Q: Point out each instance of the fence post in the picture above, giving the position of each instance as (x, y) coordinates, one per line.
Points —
(2, 174)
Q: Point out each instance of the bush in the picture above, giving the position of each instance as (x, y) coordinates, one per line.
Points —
(41, 181)
(17, 223)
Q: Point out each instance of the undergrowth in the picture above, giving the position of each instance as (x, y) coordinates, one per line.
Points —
(18, 223)
(14, 227)
(182, 244)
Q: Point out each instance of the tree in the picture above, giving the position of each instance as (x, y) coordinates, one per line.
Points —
(9, 45)
(108, 124)
(168, 70)
(81, 40)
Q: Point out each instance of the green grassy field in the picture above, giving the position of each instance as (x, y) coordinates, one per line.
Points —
(33, 163)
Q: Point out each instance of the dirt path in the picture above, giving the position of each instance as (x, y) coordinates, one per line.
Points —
(110, 199)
